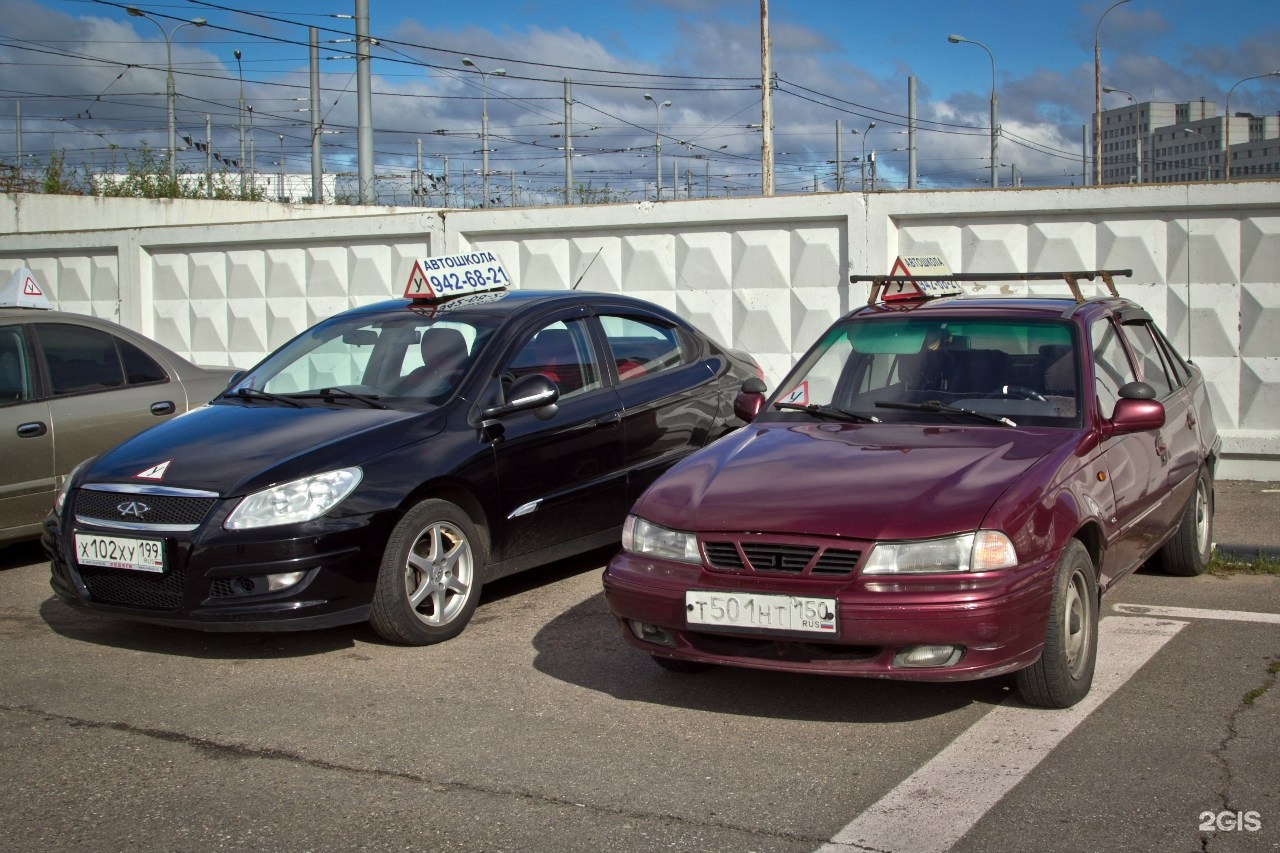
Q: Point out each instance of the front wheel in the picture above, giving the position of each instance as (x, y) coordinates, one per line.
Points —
(429, 581)
(1188, 552)
(1063, 674)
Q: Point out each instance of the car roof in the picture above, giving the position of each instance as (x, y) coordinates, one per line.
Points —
(1036, 307)
(510, 302)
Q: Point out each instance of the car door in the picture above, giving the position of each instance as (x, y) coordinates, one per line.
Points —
(26, 440)
(561, 477)
(103, 389)
(667, 389)
(1133, 467)
(1176, 444)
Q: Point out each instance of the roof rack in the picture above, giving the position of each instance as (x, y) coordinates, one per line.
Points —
(1071, 277)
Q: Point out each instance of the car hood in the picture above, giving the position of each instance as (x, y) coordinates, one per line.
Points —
(876, 481)
(233, 448)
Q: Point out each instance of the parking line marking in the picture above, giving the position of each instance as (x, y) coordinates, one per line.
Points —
(937, 805)
(1196, 613)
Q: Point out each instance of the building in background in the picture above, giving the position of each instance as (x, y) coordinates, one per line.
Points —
(1160, 142)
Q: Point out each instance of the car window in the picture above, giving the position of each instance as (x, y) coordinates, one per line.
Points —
(1151, 366)
(79, 358)
(15, 368)
(888, 367)
(562, 352)
(139, 368)
(642, 347)
(1179, 370)
(1111, 364)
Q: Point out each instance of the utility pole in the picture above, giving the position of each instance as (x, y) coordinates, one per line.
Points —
(317, 162)
(766, 103)
(911, 133)
(364, 104)
(568, 141)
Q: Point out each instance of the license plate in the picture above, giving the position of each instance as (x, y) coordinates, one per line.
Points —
(761, 612)
(120, 552)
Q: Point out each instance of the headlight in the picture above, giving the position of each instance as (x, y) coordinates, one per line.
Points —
(983, 551)
(289, 503)
(642, 537)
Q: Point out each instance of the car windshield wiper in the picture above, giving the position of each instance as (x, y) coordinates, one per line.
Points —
(828, 412)
(330, 393)
(935, 406)
(247, 393)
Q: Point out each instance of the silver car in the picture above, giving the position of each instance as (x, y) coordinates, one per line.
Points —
(72, 386)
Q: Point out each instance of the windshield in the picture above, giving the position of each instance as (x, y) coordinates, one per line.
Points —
(1009, 372)
(387, 356)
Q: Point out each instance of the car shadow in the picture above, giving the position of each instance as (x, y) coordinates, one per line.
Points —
(21, 554)
(582, 646)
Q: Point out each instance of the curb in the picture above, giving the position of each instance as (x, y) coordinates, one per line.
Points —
(1245, 553)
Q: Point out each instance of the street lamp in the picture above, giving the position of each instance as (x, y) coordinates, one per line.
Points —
(657, 139)
(484, 125)
(995, 126)
(1138, 169)
(1226, 172)
(168, 80)
(1097, 95)
(862, 181)
(240, 116)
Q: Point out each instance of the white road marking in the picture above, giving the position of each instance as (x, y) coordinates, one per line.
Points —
(1196, 613)
(934, 807)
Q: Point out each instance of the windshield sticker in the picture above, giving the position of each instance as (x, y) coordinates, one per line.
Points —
(799, 395)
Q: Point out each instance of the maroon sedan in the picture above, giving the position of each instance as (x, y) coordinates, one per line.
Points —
(940, 490)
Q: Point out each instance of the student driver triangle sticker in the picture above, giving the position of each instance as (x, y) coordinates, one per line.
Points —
(31, 288)
(155, 472)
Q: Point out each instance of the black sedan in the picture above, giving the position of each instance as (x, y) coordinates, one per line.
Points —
(388, 461)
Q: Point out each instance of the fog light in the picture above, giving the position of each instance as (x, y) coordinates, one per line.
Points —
(646, 633)
(922, 656)
(283, 580)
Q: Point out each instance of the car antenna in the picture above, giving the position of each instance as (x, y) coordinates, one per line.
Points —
(588, 269)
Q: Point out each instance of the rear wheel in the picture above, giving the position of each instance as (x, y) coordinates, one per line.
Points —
(1188, 552)
(430, 577)
(1064, 673)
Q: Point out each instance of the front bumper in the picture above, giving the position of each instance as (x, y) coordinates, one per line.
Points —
(997, 619)
(214, 579)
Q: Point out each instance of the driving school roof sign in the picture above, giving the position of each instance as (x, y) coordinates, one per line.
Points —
(23, 291)
(447, 276)
(920, 272)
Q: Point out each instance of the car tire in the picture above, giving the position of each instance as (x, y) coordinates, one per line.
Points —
(1187, 554)
(430, 577)
(681, 666)
(1063, 674)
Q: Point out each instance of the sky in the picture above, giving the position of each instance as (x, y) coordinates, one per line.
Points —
(88, 80)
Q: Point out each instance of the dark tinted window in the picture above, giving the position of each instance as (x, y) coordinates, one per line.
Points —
(15, 369)
(139, 367)
(79, 358)
(562, 352)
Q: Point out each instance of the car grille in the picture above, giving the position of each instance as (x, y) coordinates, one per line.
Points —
(781, 558)
(134, 589)
(141, 510)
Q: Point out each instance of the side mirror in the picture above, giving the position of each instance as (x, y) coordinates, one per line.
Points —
(533, 391)
(1137, 410)
(750, 399)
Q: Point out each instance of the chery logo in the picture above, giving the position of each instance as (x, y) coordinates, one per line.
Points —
(135, 508)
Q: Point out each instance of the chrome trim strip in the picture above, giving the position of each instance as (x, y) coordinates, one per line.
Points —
(133, 525)
(136, 489)
(524, 509)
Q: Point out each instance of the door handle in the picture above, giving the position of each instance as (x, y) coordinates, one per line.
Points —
(35, 429)
(610, 420)
(164, 407)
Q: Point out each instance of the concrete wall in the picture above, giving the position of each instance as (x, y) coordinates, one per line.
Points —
(226, 282)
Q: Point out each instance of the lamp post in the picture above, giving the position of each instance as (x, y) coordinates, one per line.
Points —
(862, 181)
(1138, 168)
(657, 139)
(168, 80)
(1226, 172)
(995, 124)
(484, 125)
(1097, 95)
(240, 116)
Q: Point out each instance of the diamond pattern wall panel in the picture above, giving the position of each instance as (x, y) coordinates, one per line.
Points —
(596, 264)
(1260, 250)
(1204, 250)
